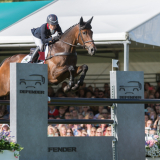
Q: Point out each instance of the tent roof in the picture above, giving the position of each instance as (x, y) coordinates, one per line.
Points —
(113, 20)
(12, 12)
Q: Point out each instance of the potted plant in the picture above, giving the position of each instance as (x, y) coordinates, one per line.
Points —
(152, 148)
(9, 149)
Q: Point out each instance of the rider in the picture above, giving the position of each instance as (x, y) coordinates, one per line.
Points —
(43, 34)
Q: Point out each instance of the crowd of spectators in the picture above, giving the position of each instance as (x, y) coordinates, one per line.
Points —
(151, 112)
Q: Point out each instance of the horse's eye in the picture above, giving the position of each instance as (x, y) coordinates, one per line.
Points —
(84, 32)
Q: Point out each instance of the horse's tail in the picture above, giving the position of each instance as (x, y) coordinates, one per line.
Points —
(2, 62)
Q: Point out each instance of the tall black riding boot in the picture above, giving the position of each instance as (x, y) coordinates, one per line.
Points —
(35, 55)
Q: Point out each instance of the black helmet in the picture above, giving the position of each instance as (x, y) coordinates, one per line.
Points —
(52, 19)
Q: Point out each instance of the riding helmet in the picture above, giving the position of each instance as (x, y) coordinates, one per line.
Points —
(52, 19)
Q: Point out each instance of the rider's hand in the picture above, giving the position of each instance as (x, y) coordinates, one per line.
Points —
(54, 39)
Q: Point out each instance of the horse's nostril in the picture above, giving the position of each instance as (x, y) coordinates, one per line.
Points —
(92, 50)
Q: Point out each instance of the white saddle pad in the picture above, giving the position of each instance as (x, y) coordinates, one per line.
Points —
(27, 58)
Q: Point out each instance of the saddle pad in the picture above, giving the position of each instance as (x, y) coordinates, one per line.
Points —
(27, 58)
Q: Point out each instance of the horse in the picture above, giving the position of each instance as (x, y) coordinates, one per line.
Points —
(61, 59)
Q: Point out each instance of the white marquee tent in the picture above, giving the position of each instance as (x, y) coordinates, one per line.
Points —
(114, 22)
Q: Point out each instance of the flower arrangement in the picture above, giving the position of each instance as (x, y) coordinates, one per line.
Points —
(152, 147)
(7, 143)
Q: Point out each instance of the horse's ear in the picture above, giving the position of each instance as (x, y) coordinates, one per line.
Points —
(81, 21)
(89, 21)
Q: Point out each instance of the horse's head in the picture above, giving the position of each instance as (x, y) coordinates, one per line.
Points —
(85, 36)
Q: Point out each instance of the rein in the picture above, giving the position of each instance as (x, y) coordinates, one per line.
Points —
(84, 46)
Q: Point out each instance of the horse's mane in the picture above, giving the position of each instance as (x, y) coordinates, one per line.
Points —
(66, 31)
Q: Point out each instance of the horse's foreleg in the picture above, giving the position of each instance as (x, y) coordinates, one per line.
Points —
(71, 80)
(83, 70)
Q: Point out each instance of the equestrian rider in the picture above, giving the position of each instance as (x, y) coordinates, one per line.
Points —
(43, 35)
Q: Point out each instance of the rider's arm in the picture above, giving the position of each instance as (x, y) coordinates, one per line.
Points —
(43, 35)
(59, 30)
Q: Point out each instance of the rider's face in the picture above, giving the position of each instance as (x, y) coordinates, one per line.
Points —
(52, 27)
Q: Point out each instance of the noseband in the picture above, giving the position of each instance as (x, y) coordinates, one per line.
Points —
(84, 46)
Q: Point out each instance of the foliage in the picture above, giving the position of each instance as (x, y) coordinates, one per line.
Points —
(8, 143)
(152, 147)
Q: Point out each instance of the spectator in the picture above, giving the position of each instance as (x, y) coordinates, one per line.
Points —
(51, 117)
(93, 131)
(5, 127)
(107, 90)
(153, 115)
(69, 132)
(53, 112)
(100, 108)
(81, 93)
(89, 94)
(96, 90)
(146, 118)
(99, 132)
(105, 113)
(109, 116)
(63, 131)
(61, 113)
(146, 86)
(75, 130)
(157, 95)
(90, 88)
(100, 94)
(75, 114)
(149, 124)
(51, 131)
(156, 122)
(103, 127)
(84, 110)
(51, 92)
(80, 116)
(67, 115)
(108, 131)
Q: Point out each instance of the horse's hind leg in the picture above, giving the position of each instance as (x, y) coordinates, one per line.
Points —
(83, 70)
(71, 80)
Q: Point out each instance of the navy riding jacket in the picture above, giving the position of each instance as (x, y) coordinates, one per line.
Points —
(44, 33)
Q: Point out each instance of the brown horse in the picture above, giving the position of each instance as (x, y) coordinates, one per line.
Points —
(61, 60)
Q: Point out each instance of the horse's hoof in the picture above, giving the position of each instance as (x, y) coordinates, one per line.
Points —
(75, 88)
(66, 89)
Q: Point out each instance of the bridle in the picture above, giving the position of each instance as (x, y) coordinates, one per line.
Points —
(79, 34)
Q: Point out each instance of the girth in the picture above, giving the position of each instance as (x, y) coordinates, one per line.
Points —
(65, 54)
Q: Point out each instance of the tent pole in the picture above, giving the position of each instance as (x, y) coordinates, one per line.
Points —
(126, 55)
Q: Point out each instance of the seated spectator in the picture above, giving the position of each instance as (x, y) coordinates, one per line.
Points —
(90, 88)
(146, 118)
(153, 115)
(67, 115)
(75, 129)
(5, 127)
(51, 131)
(53, 112)
(96, 90)
(105, 113)
(101, 94)
(56, 133)
(108, 131)
(149, 124)
(156, 122)
(89, 94)
(157, 95)
(84, 110)
(146, 86)
(69, 132)
(63, 131)
(109, 116)
(51, 92)
(99, 132)
(103, 127)
(74, 114)
(152, 132)
(93, 131)
(80, 116)
(81, 93)
(61, 113)
(100, 108)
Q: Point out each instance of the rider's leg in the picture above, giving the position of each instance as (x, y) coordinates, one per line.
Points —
(39, 47)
